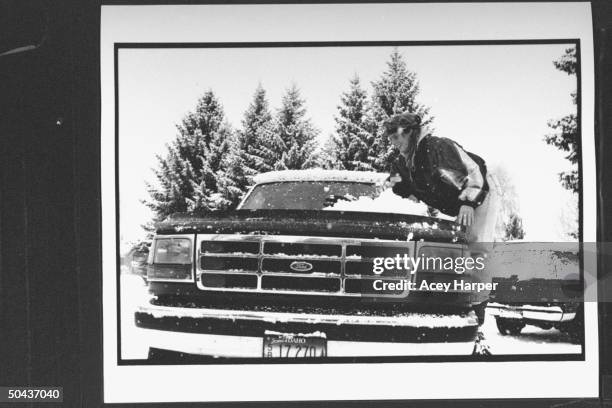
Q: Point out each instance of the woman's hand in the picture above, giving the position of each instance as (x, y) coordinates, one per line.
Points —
(466, 216)
(393, 180)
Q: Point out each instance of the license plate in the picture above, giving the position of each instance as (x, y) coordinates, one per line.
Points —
(294, 345)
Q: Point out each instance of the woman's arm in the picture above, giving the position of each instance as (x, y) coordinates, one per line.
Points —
(399, 186)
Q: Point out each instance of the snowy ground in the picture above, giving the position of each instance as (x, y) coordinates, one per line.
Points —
(133, 293)
(532, 340)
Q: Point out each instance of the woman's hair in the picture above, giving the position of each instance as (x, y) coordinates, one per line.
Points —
(409, 122)
(404, 120)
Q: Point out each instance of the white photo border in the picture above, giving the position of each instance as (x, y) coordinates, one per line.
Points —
(323, 23)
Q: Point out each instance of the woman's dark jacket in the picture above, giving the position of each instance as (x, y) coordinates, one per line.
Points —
(442, 175)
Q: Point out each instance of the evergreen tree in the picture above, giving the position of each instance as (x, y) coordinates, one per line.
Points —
(225, 191)
(292, 143)
(268, 153)
(242, 157)
(256, 116)
(395, 92)
(187, 176)
(350, 146)
(565, 136)
(256, 124)
(327, 155)
(514, 228)
(207, 117)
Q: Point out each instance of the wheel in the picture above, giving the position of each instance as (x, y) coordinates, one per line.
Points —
(509, 326)
(575, 327)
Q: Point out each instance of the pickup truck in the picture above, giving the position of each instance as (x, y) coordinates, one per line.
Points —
(289, 274)
(538, 284)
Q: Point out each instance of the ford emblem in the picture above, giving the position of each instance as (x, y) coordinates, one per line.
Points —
(300, 266)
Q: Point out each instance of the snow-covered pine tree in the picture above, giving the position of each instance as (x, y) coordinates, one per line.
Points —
(225, 192)
(257, 115)
(254, 138)
(207, 117)
(245, 154)
(187, 174)
(350, 146)
(395, 92)
(232, 181)
(179, 175)
(565, 137)
(294, 135)
(327, 155)
(268, 153)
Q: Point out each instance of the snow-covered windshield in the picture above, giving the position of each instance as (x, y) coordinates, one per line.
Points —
(332, 196)
(307, 195)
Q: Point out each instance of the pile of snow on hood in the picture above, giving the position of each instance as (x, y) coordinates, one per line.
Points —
(386, 202)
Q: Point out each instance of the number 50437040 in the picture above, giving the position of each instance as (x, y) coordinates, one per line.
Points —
(30, 394)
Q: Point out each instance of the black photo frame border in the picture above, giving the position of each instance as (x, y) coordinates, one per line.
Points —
(320, 44)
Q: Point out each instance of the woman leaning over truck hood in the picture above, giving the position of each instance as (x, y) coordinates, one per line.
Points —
(439, 172)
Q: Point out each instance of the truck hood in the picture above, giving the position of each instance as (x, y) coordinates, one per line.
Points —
(315, 223)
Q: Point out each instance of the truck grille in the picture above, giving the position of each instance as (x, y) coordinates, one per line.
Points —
(296, 265)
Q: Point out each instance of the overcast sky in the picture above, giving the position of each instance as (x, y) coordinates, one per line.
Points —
(494, 100)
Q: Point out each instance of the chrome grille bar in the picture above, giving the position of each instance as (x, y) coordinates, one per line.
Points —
(332, 254)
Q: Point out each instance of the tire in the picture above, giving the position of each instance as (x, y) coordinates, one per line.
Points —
(574, 328)
(509, 326)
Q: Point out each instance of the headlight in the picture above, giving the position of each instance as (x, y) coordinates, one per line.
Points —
(172, 259)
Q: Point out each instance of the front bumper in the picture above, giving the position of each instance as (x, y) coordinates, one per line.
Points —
(233, 333)
(553, 314)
